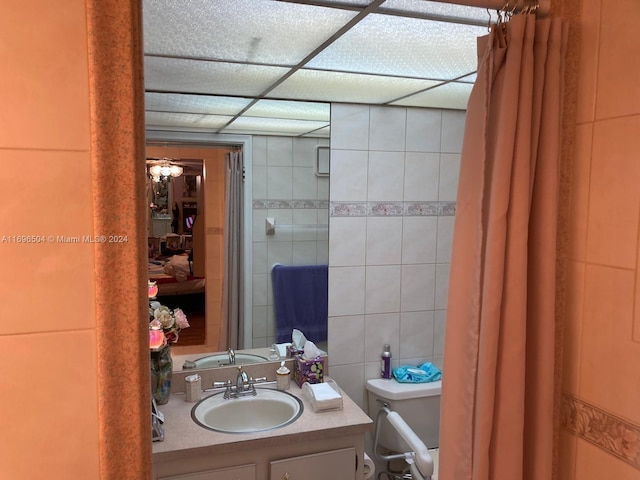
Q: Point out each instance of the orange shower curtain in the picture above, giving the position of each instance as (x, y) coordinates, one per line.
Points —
(497, 392)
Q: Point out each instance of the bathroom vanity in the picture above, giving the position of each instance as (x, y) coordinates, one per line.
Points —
(316, 446)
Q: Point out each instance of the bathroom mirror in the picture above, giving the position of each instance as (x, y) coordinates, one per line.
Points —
(243, 80)
(300, 237)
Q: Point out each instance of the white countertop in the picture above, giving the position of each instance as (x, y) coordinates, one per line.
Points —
(183, 436)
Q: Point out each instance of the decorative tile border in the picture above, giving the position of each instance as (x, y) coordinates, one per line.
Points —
(288, 204)
(392, 209)
(364, 209)
(356, 209)
(613, 434)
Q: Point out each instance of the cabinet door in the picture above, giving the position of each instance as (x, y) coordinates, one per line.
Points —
(334, 465)
(245, 472)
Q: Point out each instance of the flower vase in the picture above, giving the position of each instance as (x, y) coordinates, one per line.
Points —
(161, 368)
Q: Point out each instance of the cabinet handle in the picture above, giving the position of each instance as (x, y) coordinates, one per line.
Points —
(286, 476)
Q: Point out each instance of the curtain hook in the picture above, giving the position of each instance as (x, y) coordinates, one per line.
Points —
(503, 12)
(513, 10)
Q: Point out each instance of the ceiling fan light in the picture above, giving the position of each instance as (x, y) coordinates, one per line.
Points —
(165, 170)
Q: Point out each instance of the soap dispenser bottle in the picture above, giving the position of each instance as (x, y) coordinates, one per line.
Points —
(385, 371)
(282, 377)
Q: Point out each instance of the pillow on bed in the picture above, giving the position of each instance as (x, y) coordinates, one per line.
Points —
(178, 267)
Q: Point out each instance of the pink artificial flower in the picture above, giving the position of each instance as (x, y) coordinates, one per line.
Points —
(181, 319)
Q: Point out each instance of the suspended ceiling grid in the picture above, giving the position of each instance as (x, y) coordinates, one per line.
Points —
(272, 67)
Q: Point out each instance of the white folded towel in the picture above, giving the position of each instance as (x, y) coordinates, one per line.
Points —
(322, 396)
(323, 392)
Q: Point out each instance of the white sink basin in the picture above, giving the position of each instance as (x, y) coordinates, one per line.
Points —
(267, 410)
(222, 359)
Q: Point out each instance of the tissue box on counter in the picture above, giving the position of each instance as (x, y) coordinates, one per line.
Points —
(311, 371)
(292, 351)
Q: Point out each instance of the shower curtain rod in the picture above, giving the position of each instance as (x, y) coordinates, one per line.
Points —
(544, 6)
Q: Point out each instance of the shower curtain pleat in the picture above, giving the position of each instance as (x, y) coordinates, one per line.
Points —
(232, 330)
(498, 366)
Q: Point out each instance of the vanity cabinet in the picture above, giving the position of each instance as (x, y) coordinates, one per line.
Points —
(336, 465)
(245, 472)
(317, 446)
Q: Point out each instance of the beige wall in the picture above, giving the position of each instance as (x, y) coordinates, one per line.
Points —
(48, 338)
(46, 289)
(600, 434)
(70, 402)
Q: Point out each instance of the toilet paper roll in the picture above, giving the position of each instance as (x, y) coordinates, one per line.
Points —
(369, 467)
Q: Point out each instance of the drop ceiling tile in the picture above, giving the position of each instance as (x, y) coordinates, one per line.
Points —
(346, 87)
(264, 126)
(290, 110)
(479, 15)
(191, 76)
(257, 31)
(451, 95)
(183, 103)
(162, 119)
(391, 45)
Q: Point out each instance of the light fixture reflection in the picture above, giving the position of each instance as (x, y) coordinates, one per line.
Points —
(164, 169)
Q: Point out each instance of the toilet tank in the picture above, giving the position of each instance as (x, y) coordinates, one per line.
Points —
(417, 403)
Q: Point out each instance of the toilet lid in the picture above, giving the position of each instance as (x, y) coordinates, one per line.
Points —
(394, 390)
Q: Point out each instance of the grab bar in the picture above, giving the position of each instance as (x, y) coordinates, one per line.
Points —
(270, 226)
(419, 459)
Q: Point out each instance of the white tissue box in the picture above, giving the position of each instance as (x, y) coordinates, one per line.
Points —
(323, 396)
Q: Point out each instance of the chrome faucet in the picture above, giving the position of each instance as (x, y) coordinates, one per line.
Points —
(245, 385)
(241, 380)
(232, 356)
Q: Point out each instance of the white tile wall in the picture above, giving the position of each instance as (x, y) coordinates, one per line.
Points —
(347, 241)
(419, 236)
(449, 169)
(387, 128)
(421, 176)
(389, 261)
(384, 240)
(285, 187)
(385, 176)
(348, 175)
(346, 291)
(382, 290)
(388, 276)
(423, 130)
(353, 131)
(452, 131)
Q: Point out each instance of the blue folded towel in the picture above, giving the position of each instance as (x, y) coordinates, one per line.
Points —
(301, 301)
(424, 373)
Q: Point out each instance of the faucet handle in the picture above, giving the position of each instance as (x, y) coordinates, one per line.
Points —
(258, 380)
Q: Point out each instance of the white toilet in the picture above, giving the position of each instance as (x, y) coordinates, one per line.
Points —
(417, 403)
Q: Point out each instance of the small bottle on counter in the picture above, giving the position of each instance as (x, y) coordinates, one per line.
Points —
(385, 370)
(283, 378)
(193, 388)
